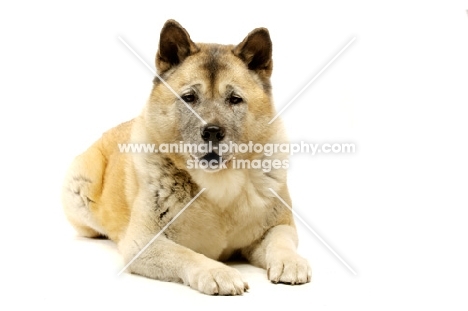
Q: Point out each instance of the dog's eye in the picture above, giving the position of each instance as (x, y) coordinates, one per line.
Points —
(189, 98)
(234, 99)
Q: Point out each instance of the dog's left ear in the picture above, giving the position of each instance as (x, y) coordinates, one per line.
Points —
(174, 46)
(256, 50)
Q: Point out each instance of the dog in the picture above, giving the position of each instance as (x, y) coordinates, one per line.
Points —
(204, 94)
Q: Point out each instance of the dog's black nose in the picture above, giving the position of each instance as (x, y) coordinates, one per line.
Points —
(213, 133)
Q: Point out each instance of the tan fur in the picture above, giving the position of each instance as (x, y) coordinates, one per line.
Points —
(131, 197)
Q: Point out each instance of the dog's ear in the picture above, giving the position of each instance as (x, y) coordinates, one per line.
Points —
(256, 50)
(174, 46)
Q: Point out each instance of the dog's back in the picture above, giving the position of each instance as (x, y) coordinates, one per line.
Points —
(94, 196)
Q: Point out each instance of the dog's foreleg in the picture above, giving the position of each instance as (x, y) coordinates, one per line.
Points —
(276, 252)
(163, 259)
(168, 261)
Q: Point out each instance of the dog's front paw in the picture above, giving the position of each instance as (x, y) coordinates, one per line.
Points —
(219, 280)
(289, 269)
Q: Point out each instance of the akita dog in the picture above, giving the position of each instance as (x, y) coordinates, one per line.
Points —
(204, 94)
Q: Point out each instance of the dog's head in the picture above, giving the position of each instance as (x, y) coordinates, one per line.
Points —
(211, 94)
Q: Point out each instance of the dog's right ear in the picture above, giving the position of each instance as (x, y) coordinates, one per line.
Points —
(174, 46)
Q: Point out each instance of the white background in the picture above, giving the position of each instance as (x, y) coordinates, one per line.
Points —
(395, 210)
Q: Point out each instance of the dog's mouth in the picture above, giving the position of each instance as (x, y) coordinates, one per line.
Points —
(211, 162)
(212, 157)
